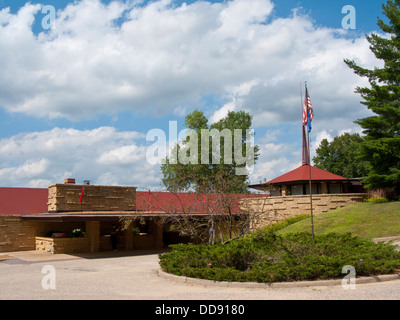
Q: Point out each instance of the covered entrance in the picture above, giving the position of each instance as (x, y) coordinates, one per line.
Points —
(77, 233)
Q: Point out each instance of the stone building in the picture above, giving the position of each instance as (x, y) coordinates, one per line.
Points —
(296, 182)
(50, 219)
(289, 194)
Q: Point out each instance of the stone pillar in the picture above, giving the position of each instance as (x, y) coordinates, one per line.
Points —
(157, 231)
(93, 233)
(284, 191)
(128, 235)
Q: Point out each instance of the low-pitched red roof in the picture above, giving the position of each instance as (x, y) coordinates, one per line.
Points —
(27, 201)
(19, 201)
(189, 202)
(302, 174)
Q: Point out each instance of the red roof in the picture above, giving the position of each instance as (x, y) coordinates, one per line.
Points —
(302, 174)
(23, 201)
(19, 201)
(189, 202)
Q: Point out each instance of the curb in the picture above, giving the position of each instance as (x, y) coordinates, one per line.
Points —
(5, 257)
(250, 285)
(386, 239)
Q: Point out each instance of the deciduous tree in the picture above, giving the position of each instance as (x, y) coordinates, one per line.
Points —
(341, 156)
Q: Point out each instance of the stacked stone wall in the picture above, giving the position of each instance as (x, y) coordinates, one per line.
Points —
(66, 197)
(62, 245)
(16, 234)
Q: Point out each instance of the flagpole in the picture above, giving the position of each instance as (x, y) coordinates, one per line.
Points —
(302, 111)
(304, 148)
(309, 173)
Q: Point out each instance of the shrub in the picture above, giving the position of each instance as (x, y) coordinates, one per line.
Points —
(77, 233)
(377, 200)
(266, 257)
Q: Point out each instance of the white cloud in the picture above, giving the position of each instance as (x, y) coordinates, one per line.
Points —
(103, 155)
(275, 158)
(26, 171)
(163, 58)
(271, 169)
(223, 112)
(159, 58)
(126, 155)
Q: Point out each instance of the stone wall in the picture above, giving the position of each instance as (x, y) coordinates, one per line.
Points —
(65, 197)
(62, 245)
(16, 234)
(269, 210)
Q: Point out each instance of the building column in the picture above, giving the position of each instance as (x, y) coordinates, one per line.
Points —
(128, 235)
(157, 232)
(284, 191)
(93, 234)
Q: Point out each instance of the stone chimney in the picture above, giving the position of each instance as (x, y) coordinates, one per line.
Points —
(66, 197)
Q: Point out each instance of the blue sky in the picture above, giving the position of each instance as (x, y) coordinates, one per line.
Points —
(78, 100)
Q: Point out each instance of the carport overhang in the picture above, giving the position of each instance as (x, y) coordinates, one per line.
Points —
(112, 216)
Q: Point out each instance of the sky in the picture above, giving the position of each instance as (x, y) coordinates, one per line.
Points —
(83, 82)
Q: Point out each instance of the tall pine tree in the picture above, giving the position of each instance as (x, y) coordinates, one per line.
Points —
(381, 146)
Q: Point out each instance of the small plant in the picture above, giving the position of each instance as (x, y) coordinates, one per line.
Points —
(136, 230)
(77, 233)
(377, 200)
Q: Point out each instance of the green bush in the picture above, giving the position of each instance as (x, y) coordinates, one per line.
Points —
(377, 200)
(77, 233)
(266, 257)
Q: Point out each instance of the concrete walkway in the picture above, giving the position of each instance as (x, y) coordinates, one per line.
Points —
(134, 275)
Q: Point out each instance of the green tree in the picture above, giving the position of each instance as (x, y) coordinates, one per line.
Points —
(340, 156)
(214, 167)
(381, 147)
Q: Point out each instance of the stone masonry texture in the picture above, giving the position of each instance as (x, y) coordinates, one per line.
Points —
(270, 210)
(66, 197)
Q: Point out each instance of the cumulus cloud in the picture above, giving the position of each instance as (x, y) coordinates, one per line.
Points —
(275, 158)
(102, 155)
(160, 58)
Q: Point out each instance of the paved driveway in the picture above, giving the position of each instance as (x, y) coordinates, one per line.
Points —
(25, 275)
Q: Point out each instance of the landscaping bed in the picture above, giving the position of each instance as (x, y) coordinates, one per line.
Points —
(266, 257)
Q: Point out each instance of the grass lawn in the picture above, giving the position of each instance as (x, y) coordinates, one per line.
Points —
(368, 220)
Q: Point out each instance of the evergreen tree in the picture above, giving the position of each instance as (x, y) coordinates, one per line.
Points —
(381, 147)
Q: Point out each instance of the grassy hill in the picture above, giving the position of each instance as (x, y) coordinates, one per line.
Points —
(369, 220)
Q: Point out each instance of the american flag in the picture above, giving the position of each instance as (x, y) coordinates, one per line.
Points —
(308, 111)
